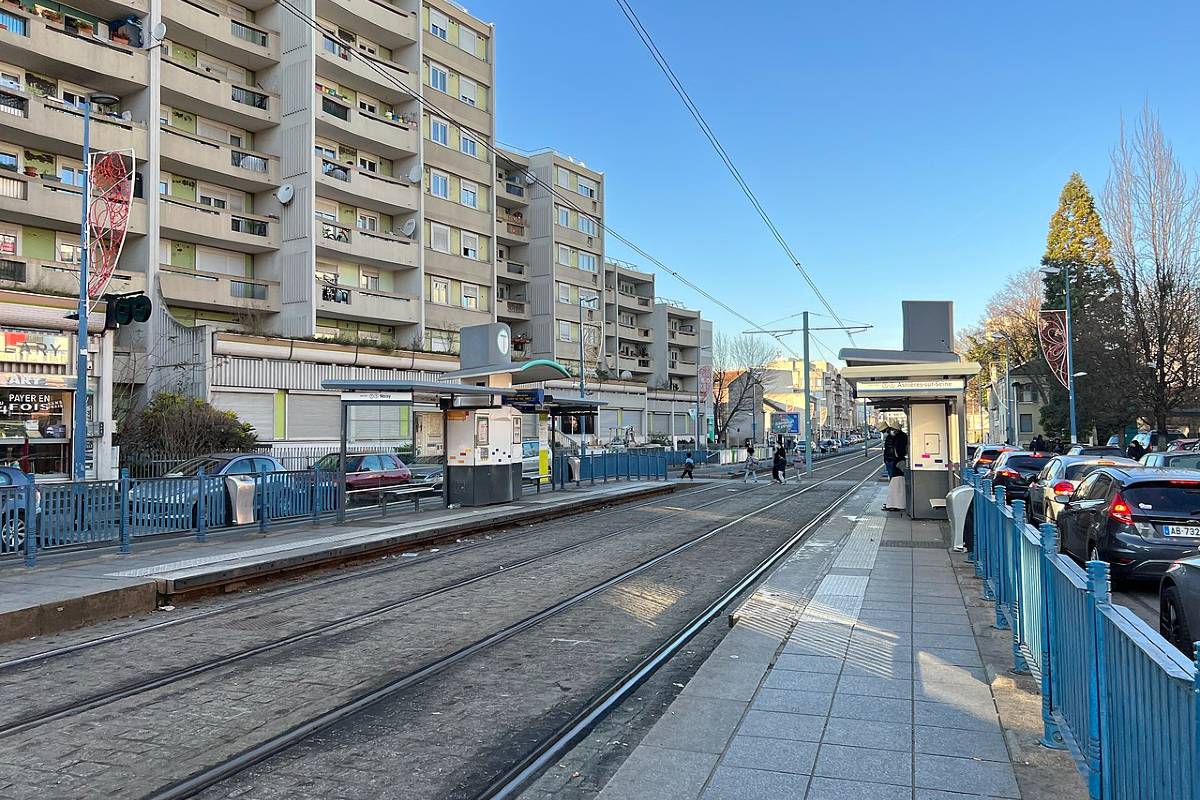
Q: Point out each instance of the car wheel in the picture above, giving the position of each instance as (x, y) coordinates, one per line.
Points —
(1172, 623)
(12, 533)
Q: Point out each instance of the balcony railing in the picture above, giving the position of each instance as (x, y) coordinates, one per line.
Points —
(244, 290)
(13, 104)
(11, 270)
(514, 267)
(336, 109)
(14, 188)
(247, 161)
(332, 169)
(251, 35)
(515, 306)
(253, 227)
(514, 189)
(338, 233)
(249, 97)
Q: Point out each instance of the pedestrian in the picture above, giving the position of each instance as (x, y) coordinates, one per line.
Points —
(1135, 450)
(751, 465)
(779, 465)
(1038, 444)
(688, 464)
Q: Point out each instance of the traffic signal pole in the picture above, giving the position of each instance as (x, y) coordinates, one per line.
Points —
(79, 436)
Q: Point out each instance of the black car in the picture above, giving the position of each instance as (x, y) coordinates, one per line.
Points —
(986, 455)
(1015, 470)
(1097, 450)
(1179, 604)
(1138, 519)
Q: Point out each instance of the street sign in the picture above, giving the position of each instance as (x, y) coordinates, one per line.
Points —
(785, 423)
(378, 397)
(905, 388)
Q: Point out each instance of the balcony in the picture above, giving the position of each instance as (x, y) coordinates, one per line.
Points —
(390, 137)
(369, 247)
(512, 192)
(681, 366)
(632, 332)
(356, 70)
(186, 221)
(353, 186)
(682, 337)
(366, 305)
(636, 363)
(378, 20)
(45, 46)
(47, 124)
(218, 162)
(195, 24)
(217, 292)
(217, 98)
(47, 203)
(512, 271)
(630, 300)
(512, 309)
(511, 229)
(50, 277)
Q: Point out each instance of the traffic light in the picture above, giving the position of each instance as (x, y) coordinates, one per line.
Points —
(126, 309)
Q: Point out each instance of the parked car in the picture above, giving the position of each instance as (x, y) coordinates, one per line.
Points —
(1138, 519)
(1052, 488)
(174, 503)
(13, 507)
(986, 455)
(1015, 469)
(427, 471)
(828, 445)
(1182, 444)
(1096, 451)
(1179, 604)
(368, 474)
(1179, 459)
(1149, 439)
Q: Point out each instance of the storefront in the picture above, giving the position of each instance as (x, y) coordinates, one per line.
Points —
(37, 395)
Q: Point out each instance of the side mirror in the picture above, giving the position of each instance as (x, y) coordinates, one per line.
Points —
(1065, 499)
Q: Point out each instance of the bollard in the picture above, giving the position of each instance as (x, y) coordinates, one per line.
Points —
(1020, 665)
(1051, 735)
(31, 524)
(1097, 602)
(201, 508)
(123, 537)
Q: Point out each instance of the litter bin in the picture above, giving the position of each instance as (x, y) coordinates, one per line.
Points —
(241, 498)
(958, 504)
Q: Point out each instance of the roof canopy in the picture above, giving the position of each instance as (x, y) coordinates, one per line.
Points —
(439, 388)
(535, 371)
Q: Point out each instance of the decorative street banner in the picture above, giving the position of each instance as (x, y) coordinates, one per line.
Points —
(110, 192)
(704, 375)
(1052, 331)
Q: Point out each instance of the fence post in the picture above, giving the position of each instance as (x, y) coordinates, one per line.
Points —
(999, 563)
(201, 509)
(316, 498)
(260, 480)
(123, 537)
(985, 539)
(969, 480)
(1017, 604)
(1051, 736)
(1097, 602)
(31, 524)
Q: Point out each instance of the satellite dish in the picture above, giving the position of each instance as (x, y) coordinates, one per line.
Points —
(414, 174)
(410, 227)
(626, 375)
(530, 178)
(158, 32)
(285, 194)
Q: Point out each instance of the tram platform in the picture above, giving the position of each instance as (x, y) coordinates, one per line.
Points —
(71, 589)
(864, 667)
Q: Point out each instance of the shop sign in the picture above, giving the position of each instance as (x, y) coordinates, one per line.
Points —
(29, 347)
(37, 381)
(23, 403)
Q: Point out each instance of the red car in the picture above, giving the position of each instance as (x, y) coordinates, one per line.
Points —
(369, 474)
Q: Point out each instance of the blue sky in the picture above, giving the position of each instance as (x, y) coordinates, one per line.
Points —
(906, 150)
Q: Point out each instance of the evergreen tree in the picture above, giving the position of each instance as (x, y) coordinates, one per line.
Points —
(1076, 243)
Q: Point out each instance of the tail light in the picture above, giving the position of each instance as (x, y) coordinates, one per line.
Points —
(1063, 487)
(1120, 511)
(1007, 473)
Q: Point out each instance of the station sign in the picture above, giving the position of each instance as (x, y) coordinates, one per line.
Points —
(377, 397)
(526, 397)
(905, 388)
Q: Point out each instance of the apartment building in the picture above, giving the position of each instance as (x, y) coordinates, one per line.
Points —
(629, 321)
(513, 189)
(682, 342)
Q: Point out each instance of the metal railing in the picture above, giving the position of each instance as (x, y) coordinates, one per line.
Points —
(604, 467)
(1118, 696)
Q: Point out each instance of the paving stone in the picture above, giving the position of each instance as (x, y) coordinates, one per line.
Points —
(726, 678)
(883, 709)
(795, 702)
(782, 725)
(873, 734)
(698, 724)
(794, 680)
(957, 641)
(989, 746)
(875, 687)
(864, 764)
(965, 775)
(902, 670)
(654, 773)
(955, 657)
(736, 783)
(935, 794)
(972, 695)
(944, 715)
(930, 671)
(834, 789)
(825, 664)
(777, 755)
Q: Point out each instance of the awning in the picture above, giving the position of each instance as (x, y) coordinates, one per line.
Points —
(535, 371)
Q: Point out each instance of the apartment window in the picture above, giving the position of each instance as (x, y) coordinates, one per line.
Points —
(466, 90)
(325, 151)
(468, 145)
(439, 237)
(438, 77)
(439, 25)
(564, 292)
(8, 160)
(439, 291)
(587, 225)
(589, 298)
(368, 104)
(587, 188)
(439, 131)
(71, 174)
(470, 244)
(468, 194)
(470, 296)
(467, 39)
(1027, 423)
(562, 177)
(441, 341)
(368, 164)
(368, 279)
(213, 199)
(66, 249)
(564, 255)
(564, 216)
(9, 80)
(439, 184)
(326, 210)
(367, 222)
(564, 330)
(587, 261)
(164, 186)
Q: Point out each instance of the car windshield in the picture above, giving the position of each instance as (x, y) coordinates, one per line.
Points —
(989, 455)
(1027, 463)
(1170, 497)
(1077, 472)
(1188, 461)
(330, 463)
(209, 464)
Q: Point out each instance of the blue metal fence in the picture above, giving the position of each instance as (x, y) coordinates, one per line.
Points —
(603, 467)
(1117, 695)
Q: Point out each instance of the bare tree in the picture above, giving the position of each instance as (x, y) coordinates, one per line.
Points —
(1152, 212)
(739, 369)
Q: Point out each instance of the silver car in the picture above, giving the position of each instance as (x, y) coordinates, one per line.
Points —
(1052, 487)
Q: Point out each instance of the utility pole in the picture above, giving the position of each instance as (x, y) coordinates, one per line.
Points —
(582, 418)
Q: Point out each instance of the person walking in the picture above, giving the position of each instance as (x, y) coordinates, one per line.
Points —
(779, 465)
(751, 465)
(688, 464)
(1038, 444)
(1135, 450)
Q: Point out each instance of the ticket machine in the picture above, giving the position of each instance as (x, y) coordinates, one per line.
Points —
(483, 455)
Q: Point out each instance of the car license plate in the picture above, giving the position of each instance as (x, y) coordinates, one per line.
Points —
(1181, 530)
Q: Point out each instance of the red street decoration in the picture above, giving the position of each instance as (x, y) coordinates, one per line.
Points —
(1052, 331)
(705, 376)
(110, 192)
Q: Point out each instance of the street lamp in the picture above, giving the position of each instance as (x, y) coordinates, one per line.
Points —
(1066, 273)
(1008, 423)
(699, 350)
(590, 305)
(79, 439)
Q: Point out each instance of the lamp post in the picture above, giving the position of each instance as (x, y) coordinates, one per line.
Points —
(582, 426)
(79, 437)
(1066, 273)
(699, 350)
(1008, 410)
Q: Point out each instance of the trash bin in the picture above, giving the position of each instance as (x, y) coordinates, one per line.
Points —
(574, 463)
(958, 503)
(241, 498)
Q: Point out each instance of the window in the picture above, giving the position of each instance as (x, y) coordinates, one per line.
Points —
(439, 237)
(564, 216)
(368, 164)
(468, 145)
(327, 151)
(470, 244)
(71, 174)
(438, 77)
(439, 25)
(439, 184)
(367, 222)
(564, 255)
(589, 298)
(368, 104)
(562, 177)
(8, 243)
(466, 90)
(564, 292)
(9, 80)
(439, 291)
(470, 296)
(326, 210)
(67, 249)
(468, 194)
(587, 188)
(213, 199)
(587, 225)
(368, 279)
(564, 330)
(441, 341)
(439, 131)
(8, 160)
(467, 39)
(1027, 423)
(587, 261)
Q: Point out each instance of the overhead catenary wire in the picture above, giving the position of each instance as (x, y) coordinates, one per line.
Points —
(312, 23)
(694, 110)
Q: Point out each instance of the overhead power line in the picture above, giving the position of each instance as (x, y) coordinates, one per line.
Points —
(678, 86)
(311, 22)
